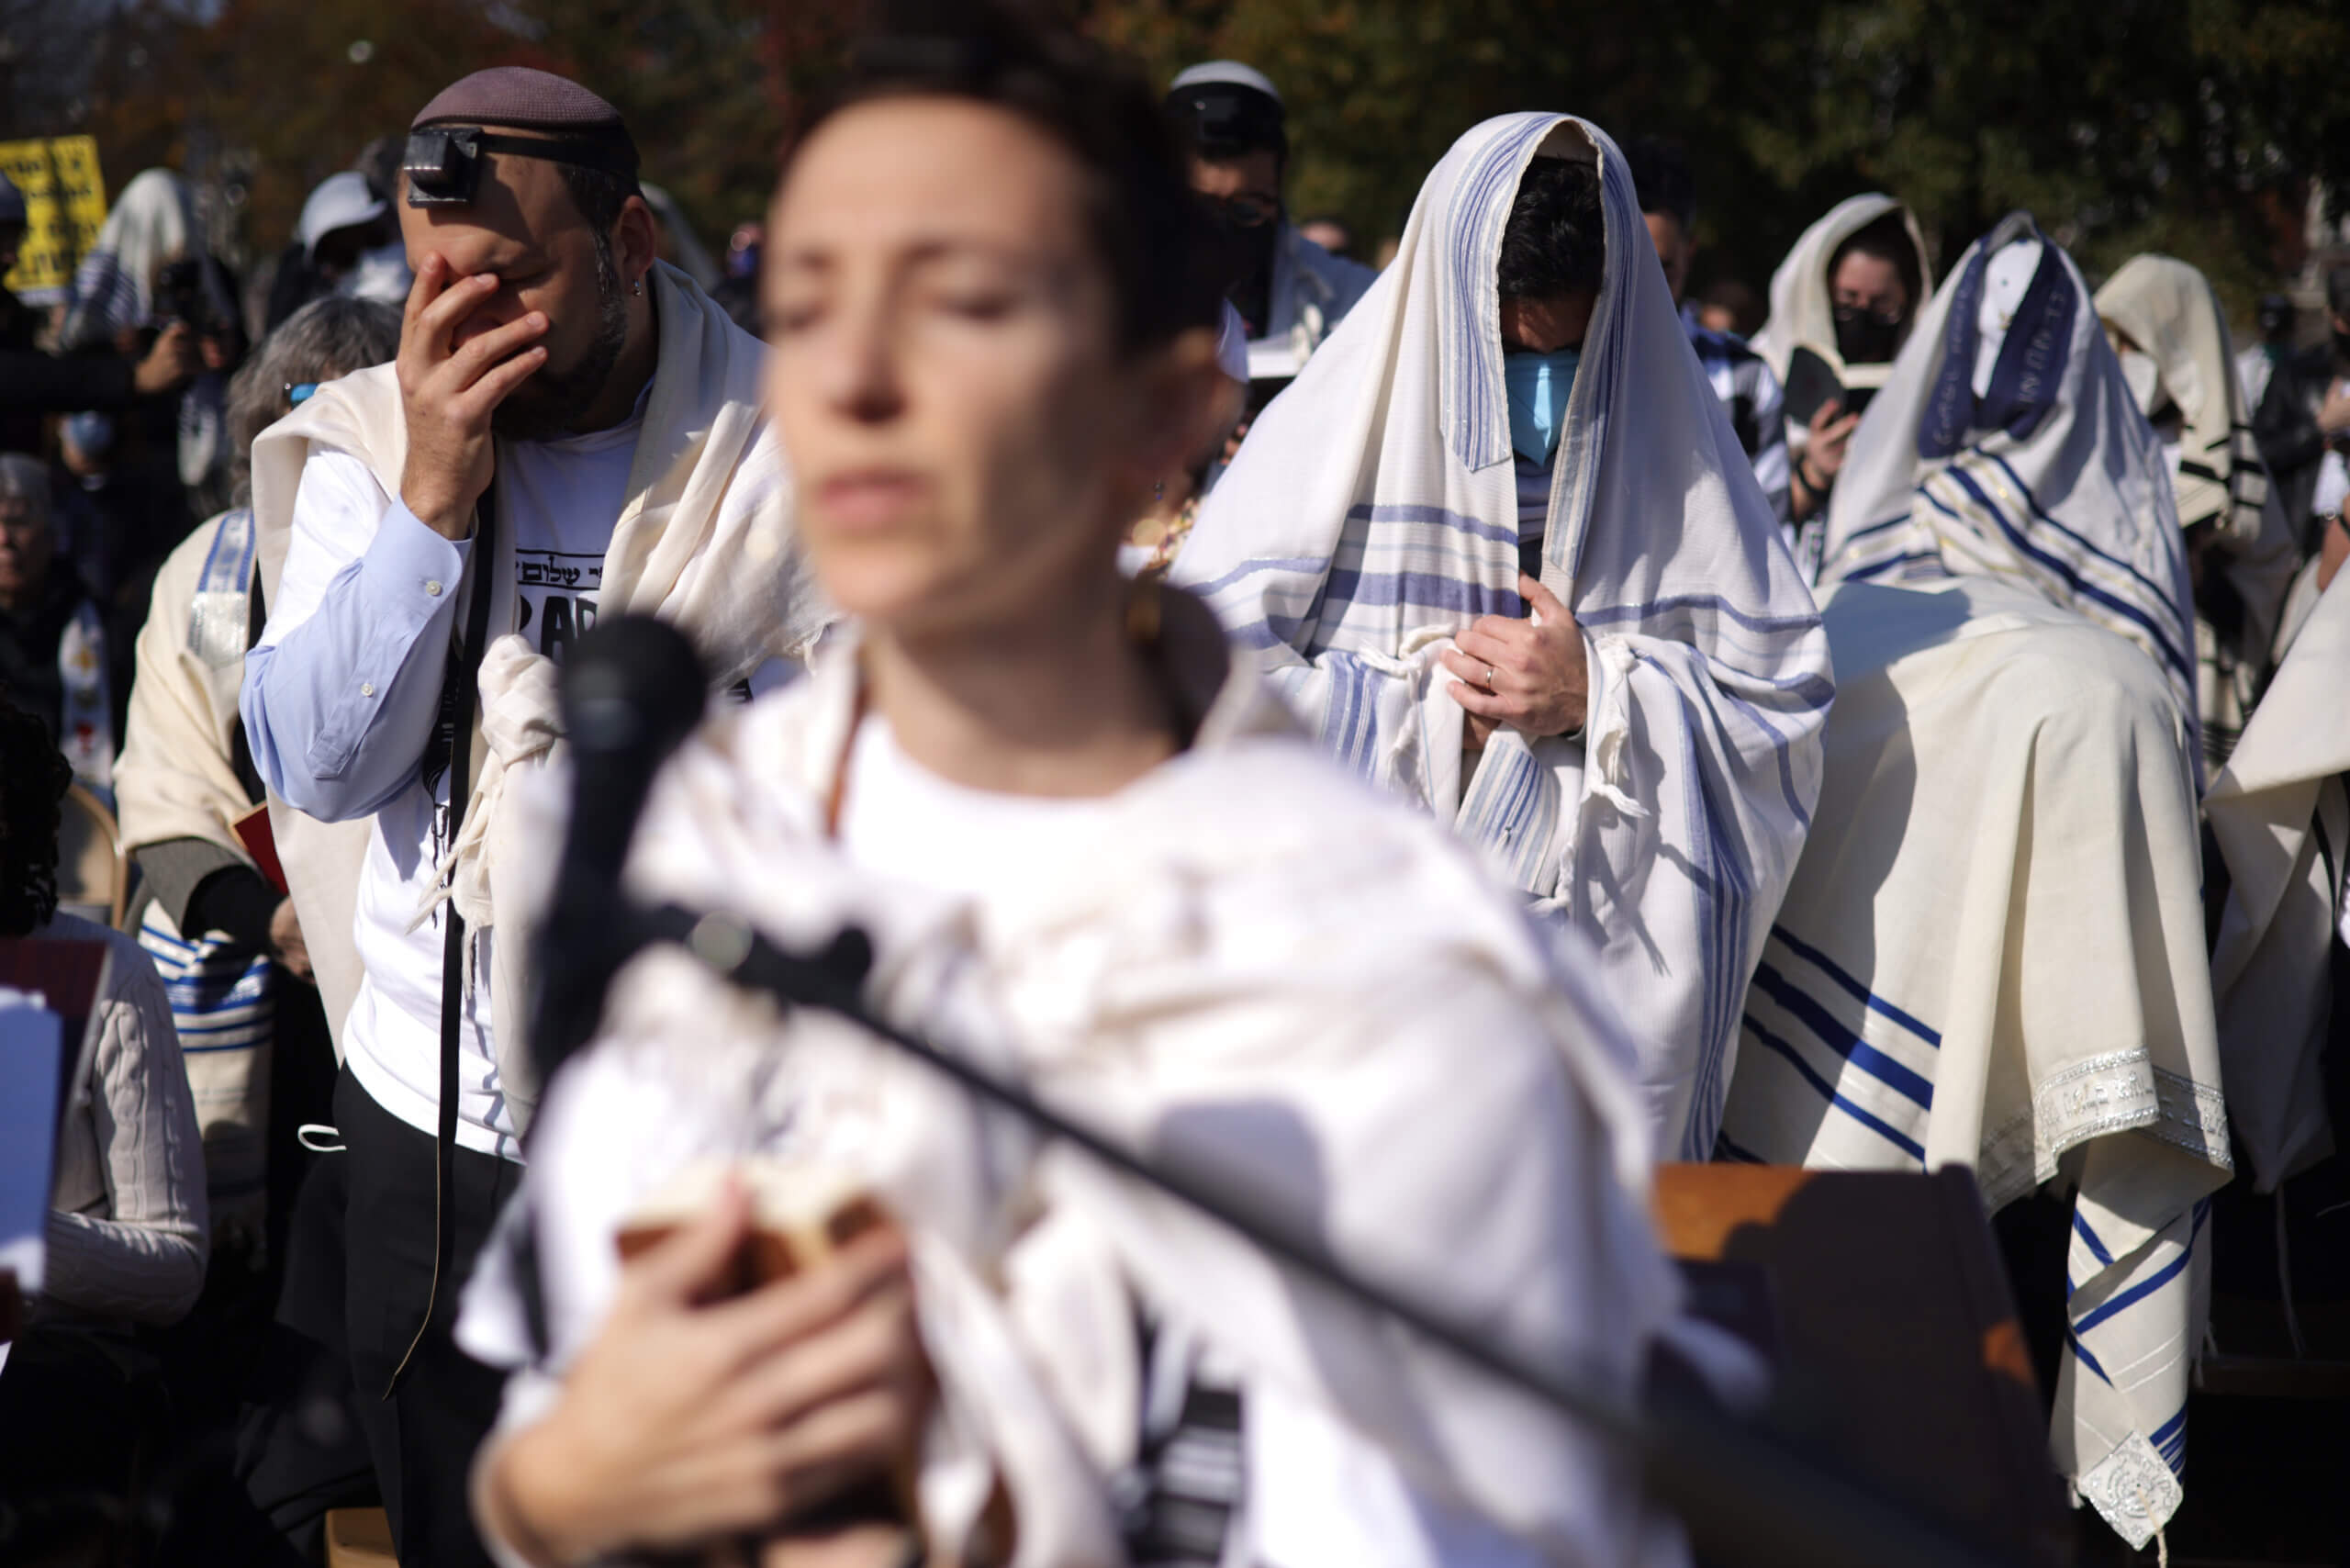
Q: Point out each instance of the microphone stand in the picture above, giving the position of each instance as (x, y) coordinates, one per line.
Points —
(1746, 1496)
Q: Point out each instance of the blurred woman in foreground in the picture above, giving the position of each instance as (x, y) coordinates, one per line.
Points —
(1094, 851)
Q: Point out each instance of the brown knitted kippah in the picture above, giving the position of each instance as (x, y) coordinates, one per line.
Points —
(518, 95)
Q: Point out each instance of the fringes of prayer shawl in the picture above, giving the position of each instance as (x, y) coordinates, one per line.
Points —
(1992, 955)
(1373, 514)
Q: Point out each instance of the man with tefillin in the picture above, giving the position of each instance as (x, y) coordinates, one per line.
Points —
(571, 426)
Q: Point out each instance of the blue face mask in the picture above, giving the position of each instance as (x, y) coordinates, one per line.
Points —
(1538, 385)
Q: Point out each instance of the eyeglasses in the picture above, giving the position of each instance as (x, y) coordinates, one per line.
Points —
(298, 393)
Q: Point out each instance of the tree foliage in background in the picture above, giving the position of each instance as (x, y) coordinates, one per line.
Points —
(2192, 126)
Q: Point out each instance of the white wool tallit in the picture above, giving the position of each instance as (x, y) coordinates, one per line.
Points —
(703, 540)
(1373, 513)
(1992, 955)
(1244, 962)
(2168, 310)
(2281, 817)
(2018, 451)
(1803, 307)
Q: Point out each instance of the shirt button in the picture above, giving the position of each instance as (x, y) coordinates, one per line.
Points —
(433, 588)
(366, 688)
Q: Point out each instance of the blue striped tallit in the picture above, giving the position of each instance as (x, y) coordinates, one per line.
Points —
(224, 1006)
(2013, 449)
(1373, 513)
(1992, 955)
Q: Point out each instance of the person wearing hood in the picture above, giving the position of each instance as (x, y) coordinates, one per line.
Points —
(1514, 565)
(1290, 291)
(1843, 303)
(1992, 954)
(570, 426)
(2172, 339)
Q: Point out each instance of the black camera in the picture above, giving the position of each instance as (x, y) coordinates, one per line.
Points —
(181, 295)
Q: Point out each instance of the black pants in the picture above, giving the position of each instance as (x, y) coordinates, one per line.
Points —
(423, 1437)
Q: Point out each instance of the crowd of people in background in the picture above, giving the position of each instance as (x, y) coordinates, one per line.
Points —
(1891, 723)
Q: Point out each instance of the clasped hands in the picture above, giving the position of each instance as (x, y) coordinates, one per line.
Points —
(1532, 675)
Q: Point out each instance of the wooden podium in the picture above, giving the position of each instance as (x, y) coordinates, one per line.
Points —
(1892, 1330)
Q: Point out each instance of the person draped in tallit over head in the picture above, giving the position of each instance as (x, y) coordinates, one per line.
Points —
(2172, 339)
(1843, 303)
(571, 428)
(1992, 954)
(1500, 547)
(1095, 850)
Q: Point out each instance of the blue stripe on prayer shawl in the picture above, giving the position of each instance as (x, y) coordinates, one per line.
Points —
(2072, 1342)
(2135, 1293)
(1479, 343)
(2071, 575)
(1402, 512)
(1879, 568)
(1606, 614)
(2170, 1440)
(1827, 1091)
(1722, 885)
(1349, 586)
(1859, 992)
(1306, 565)
(2152, 587)
(2097, 1247)
(1832, 1034)
(1872, 527)
(1354, 710)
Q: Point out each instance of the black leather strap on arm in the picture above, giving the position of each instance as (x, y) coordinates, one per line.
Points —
(461, 694)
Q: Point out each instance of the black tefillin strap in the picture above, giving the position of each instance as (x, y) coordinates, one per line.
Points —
(442, 162)
(460, 693)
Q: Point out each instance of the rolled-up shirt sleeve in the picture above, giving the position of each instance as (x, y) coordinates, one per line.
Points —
(342, 693)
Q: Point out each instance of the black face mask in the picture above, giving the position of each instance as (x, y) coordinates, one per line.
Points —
(1863, 339)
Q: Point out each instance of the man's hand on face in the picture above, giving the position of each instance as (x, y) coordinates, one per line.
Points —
(1532, 675)
(449, 390)
(170, 362)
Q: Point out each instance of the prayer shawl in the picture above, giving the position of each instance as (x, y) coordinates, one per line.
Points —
(2281, 817)
(1992, 955)
(176, 781)
(1373, 513)
(2167, 309)
(2013, 448)
(1251, 965)
(1803, 306)
(152, 222)
(703, 540)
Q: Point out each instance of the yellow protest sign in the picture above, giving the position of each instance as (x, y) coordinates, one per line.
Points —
(65, 204)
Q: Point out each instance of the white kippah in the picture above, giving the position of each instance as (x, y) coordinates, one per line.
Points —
(1230, 72)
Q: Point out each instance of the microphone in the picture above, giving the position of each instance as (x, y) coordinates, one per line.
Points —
(632, 689)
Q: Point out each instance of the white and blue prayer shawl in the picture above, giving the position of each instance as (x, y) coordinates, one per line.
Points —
(152, 222)
(1992, 952)
(224, 1005)
(1373, 513)
(2051, 476)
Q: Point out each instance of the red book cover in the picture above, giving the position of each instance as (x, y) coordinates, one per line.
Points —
(261, 842)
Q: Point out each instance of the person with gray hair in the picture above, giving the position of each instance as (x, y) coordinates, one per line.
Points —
(222, 934)
(54, 643)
